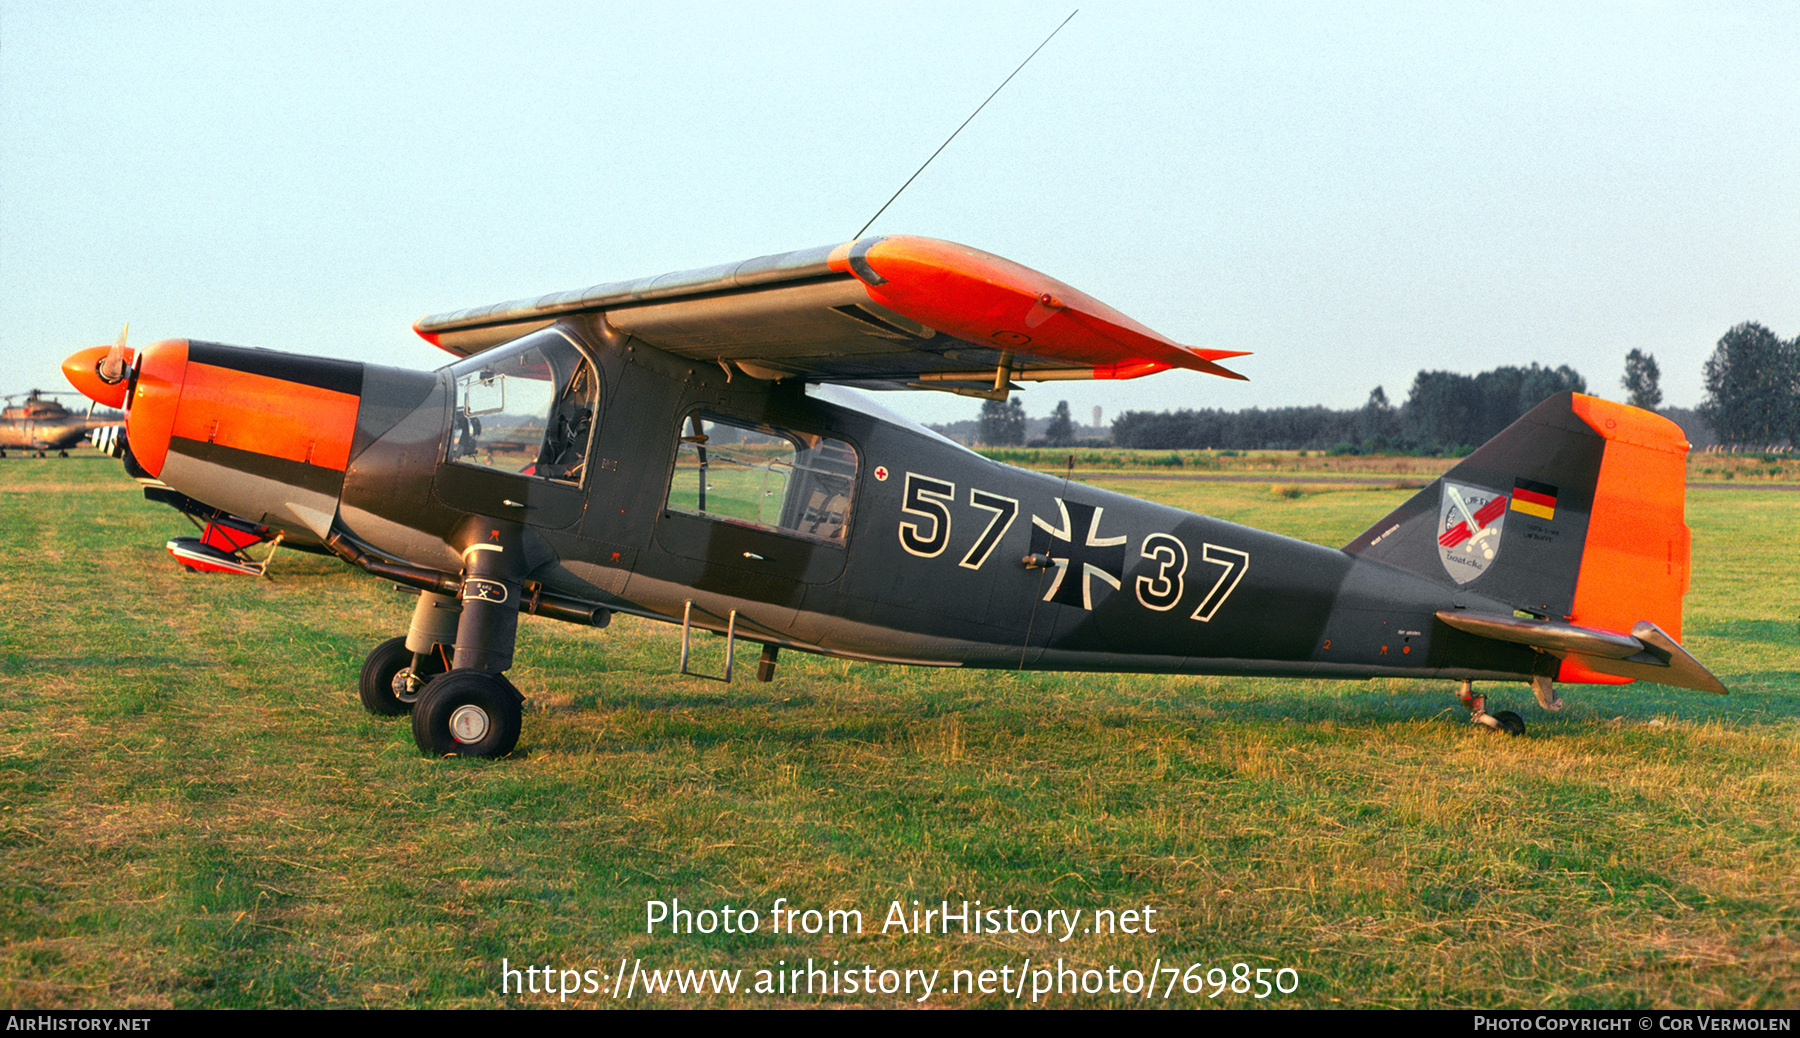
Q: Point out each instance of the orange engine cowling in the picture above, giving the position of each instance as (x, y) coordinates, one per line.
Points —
(260, 434)
(201, 395)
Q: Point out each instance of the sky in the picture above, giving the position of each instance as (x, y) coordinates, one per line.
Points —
(1354, 192)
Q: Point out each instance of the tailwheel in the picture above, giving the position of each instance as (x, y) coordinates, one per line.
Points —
(468, 713)
(1504, 721)
(392, 678)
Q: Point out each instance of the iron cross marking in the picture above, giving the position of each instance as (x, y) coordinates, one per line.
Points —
(1091, 556)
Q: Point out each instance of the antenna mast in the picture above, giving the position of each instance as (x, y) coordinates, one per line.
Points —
(966, 122)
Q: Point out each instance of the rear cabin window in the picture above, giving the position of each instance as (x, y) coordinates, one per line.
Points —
(774, 479)
(525, 407)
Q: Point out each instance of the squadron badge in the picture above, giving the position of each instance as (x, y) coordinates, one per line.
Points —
(1469, 522)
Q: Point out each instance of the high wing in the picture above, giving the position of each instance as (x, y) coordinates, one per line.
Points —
(881, 312)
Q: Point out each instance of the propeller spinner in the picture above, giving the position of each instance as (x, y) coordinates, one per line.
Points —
(101, 372)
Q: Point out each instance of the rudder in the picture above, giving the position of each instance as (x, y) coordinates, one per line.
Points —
(1574, 514)
(1636, 563)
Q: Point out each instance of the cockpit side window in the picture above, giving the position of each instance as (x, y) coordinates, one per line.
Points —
(795, 483)
(527, 407)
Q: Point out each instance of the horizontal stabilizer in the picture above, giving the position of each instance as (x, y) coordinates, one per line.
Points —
(1646, 654)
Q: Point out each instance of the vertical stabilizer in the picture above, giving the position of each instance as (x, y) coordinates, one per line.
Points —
(1573, 514)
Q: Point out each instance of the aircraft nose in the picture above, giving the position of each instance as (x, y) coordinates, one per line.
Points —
(149, 394)
(82, 369)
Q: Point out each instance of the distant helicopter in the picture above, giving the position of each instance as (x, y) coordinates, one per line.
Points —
(42, 424)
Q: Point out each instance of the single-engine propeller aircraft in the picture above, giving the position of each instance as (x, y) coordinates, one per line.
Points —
(683, 448)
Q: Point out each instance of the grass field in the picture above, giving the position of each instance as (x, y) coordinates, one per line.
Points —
(1704, 467)
(196, 812)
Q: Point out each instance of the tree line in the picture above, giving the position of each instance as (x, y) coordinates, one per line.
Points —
(1752, 401)
(1444, 412)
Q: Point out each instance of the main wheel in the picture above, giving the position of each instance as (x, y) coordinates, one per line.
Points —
(1510, 722)
(467, 713)
(390, 684)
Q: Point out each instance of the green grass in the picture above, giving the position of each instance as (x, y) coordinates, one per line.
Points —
(196, 812)
(1323, 466)
(1315, 464)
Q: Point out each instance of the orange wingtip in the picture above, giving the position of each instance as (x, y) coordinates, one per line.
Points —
(1140, 368)
(983, 298)
(1204, 362)
(1223, 372)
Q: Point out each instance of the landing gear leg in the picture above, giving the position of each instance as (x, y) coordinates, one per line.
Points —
(473, 711)
(1504, 721)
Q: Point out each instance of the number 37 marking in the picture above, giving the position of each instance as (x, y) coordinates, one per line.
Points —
(1162, 589)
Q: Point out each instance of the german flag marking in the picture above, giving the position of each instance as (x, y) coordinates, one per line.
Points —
(1533, 498)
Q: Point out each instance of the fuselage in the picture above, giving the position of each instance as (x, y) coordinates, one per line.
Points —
(44, 434)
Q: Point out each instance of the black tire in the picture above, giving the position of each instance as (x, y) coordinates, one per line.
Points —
(388, 685)
(468, 713)
(1510, 722)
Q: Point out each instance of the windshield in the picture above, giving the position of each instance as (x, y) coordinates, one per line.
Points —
(526, 407)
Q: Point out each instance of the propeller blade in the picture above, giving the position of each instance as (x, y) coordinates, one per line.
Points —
(112, 369)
